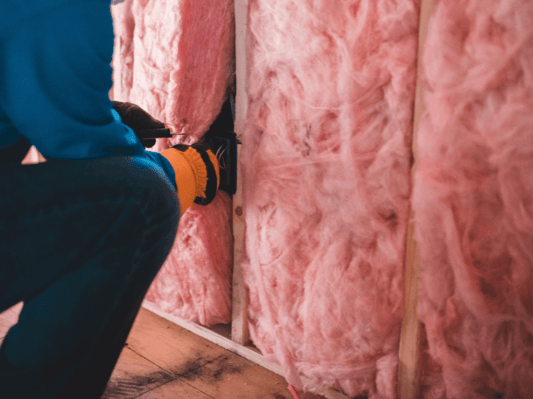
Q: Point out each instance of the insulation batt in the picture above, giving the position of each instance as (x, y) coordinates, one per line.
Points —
(174, 59)
(195, 282)
(326, 184)
(473, 201)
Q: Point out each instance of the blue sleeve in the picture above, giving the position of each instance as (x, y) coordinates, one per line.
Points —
(55, 76)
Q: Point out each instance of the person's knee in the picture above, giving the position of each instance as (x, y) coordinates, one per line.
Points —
(146, 181)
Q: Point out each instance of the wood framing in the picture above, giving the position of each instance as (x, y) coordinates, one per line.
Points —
(409, 337)
(229, 344)
(239, 325)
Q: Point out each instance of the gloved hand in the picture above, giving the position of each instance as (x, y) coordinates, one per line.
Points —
(197, 173)
(195, 167)
(138, 120)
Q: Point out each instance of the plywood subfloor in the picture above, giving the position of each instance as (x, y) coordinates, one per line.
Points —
(162, 360)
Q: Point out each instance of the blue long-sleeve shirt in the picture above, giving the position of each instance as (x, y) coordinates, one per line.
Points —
(55, 76)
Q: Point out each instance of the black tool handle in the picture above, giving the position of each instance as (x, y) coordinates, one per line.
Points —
(155, 133)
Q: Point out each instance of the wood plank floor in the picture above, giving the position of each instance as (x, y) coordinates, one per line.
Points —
(162, 360)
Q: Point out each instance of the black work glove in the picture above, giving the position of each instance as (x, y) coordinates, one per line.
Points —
(138, 120)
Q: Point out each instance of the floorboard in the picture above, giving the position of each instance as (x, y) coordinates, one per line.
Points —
(230, 376)
(133, 376)
(163, 360)
(198, 368)
(171, 347)
(175, 390)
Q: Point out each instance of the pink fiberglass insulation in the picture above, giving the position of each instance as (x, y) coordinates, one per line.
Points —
(473, 200)
(32, 156)
(123, 26)
(325, 165)
(195, 281)
(174, 59)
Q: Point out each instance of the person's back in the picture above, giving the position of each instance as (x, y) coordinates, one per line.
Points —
(83, 234)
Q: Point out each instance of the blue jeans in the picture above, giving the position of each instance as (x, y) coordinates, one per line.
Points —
(80, 243)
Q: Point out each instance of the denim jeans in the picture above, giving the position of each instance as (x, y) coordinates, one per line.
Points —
(80, 243)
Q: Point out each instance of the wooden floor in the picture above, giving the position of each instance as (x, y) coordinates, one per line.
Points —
(164, 361)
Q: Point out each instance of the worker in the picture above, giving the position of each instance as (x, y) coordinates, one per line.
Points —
(83, 234)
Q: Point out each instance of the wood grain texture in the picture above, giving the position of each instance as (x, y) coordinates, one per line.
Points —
(133, 376)
(195, 367)
(248, 352)
(163, 360)
(168, 345)
(230, 377)
(239, 324)
(409, 338)
(176, 390)
(408, 350)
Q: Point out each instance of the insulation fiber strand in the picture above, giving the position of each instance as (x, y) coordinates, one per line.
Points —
(473, 201)
(195, 281)
(326, 184)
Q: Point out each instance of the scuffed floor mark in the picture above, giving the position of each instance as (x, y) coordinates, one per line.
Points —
(130, 387)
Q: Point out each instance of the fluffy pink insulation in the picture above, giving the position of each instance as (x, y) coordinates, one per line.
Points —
(325, 166)
(174, 59)
(195, 281)
(473, 201)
